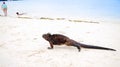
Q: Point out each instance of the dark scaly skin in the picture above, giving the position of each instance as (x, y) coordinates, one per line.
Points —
(59, 39)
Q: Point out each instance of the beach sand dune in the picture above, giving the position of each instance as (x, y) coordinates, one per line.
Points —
(22, 45)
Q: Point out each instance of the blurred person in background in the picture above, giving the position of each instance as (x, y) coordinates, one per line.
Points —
(4, 8)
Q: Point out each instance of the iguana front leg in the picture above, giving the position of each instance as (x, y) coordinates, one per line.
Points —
(51, 46)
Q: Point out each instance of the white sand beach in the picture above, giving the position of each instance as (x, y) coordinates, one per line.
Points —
(22, 45)
(94, 22)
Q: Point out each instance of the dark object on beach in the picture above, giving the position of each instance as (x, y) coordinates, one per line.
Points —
(59, 39)
(19, 13)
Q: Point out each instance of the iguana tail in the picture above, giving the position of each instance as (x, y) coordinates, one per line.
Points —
(96, 47)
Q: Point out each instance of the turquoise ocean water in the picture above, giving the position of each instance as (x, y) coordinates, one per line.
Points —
(83, 9)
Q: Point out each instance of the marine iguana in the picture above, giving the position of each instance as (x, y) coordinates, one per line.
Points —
(59, 39)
